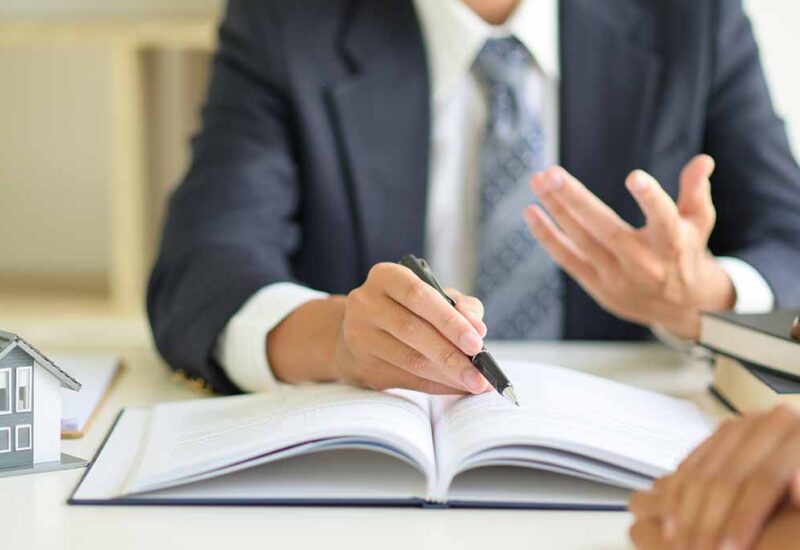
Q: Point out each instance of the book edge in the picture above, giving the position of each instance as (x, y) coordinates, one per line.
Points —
(71, 499)
(413, 502)
(728, 318)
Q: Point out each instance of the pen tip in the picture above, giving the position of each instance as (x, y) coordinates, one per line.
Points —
(509, 394)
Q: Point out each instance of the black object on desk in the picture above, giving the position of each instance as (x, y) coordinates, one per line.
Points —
(484, 361)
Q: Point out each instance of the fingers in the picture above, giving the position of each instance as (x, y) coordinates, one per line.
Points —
(694, 478)
(561, 249)
(412, 344)
(391, 376)
(645, 505)
(647, 535)
(387, 348)
(686, 472)
(396, 319)
(652, 502)
(408, 290)
(726, 483)
(723, 494)
(583, 205)
(594, 249)
(661, 212)
(694, 199)
(471, 308)
(763, 492)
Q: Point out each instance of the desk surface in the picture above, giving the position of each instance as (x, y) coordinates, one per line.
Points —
(33, 507)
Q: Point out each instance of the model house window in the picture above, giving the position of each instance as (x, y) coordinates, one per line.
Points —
(5, 391)
(24, 437)
(5, 440)
(24, 384)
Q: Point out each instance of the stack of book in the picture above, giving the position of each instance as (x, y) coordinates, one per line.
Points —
(757, 358)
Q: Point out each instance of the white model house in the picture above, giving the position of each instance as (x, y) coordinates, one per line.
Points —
(30, 407)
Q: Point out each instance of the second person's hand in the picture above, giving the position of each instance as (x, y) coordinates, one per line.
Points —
(725, 492)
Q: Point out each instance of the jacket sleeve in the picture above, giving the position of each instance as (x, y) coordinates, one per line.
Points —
(230, 226)
(756, 186)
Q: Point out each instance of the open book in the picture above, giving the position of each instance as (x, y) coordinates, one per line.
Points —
(577, 441)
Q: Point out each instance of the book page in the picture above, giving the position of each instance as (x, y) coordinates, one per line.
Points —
(566, 410)
(195, 439)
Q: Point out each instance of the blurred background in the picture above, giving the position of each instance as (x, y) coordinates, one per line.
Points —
(97, 104)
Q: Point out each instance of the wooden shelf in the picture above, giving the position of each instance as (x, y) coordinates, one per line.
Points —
(128, 40)
(196, 33)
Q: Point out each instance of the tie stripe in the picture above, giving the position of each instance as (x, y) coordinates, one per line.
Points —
(519, 284)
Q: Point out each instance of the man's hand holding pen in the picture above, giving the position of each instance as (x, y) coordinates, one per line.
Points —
(394, 331)
(399, 332)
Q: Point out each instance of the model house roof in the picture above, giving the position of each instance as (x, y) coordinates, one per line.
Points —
(9, 341)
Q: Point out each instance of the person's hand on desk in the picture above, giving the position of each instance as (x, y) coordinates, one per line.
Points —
(394, 331)
(661, 274)
(740, 489)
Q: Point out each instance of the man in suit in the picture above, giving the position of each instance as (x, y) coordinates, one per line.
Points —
(339, 135)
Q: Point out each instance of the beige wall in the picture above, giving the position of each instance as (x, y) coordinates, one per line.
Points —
(54, 132)
(106, 7)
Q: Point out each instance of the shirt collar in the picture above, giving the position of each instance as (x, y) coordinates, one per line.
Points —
(454, 35)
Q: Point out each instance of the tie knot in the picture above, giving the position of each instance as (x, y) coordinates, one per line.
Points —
(501, 61)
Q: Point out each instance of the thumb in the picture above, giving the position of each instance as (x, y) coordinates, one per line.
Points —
(694, 199)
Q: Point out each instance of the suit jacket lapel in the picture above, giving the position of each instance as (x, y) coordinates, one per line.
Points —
(382, 115)
(608, 90)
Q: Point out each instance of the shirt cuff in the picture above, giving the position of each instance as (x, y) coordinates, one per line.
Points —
(242, 345)
(753, 295)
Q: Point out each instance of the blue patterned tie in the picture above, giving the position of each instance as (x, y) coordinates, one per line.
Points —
(519, 284)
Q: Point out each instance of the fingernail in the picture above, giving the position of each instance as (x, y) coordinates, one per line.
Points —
(639, 182)
(553, 181)
(470, 343)
(484, 329)
(728, 544)
(473, 380)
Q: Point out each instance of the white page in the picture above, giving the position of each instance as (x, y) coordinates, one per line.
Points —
(570, 411)
(342, 475)
(511, 486)
(105, 478)
(95, 373)
(193, 438)
(333, 475)
(531, 457)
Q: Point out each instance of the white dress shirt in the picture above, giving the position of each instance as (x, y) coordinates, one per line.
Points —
(453, 36)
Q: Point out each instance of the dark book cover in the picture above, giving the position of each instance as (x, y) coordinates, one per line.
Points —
(776, 323)
(778, 383)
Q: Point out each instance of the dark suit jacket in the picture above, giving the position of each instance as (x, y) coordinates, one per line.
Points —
(312, 162)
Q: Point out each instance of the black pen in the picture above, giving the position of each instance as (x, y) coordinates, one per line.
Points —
(484, 361)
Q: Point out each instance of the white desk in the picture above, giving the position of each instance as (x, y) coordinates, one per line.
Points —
(33, 512)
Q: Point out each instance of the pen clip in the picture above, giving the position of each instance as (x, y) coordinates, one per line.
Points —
(422, 270)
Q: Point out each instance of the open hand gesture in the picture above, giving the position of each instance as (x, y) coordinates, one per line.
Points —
(661, 274)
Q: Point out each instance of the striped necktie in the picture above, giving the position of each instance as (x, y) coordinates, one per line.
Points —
(519, 284)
